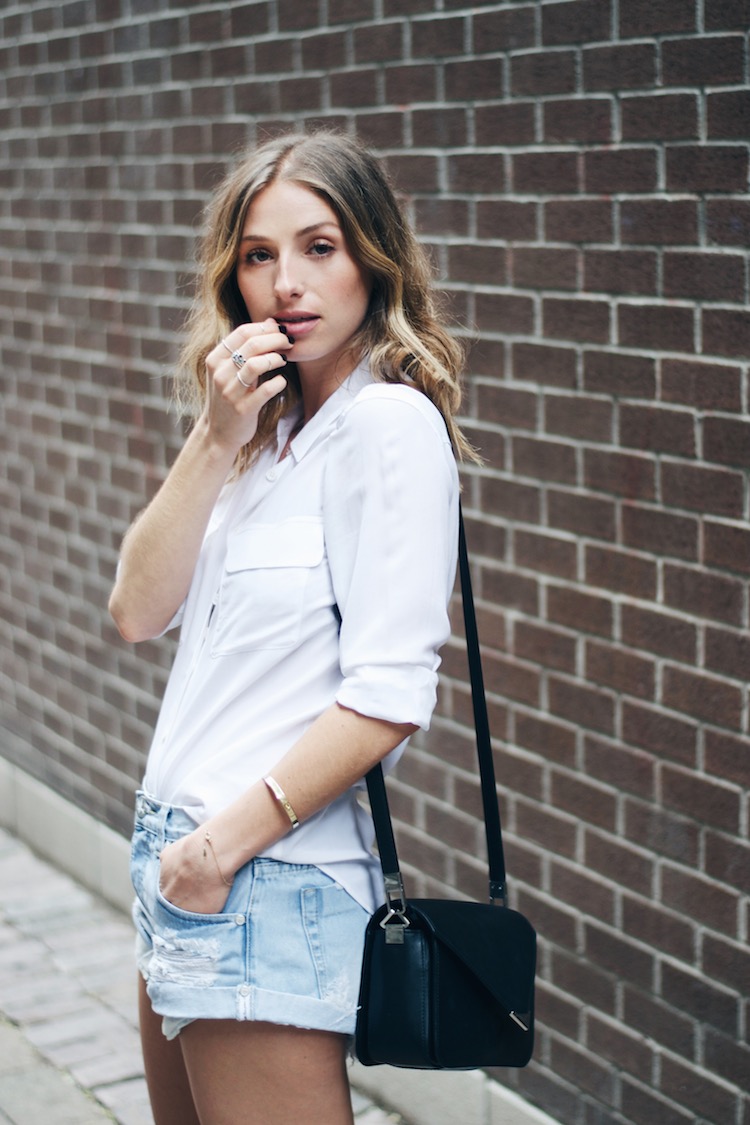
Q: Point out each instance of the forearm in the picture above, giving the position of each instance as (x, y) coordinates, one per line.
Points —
(160, 550)
(335, 752)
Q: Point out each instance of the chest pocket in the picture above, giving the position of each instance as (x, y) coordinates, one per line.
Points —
(262, 594)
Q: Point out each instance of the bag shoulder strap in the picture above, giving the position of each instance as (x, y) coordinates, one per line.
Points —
(394, 887)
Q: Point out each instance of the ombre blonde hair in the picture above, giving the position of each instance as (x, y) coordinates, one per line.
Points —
(401, 334)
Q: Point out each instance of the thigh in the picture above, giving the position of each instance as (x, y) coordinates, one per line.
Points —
(255, 1073)
(166, 1075)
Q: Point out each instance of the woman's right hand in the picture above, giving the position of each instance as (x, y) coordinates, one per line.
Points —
(235, 397)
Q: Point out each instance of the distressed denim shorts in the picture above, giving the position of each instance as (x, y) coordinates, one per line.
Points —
(287, 947)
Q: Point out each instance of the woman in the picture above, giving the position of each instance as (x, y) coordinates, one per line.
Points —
(305, 540)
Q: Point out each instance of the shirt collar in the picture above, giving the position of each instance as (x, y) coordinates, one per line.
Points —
(330, 411)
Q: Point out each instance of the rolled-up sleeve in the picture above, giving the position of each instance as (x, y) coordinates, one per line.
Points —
(391, 529)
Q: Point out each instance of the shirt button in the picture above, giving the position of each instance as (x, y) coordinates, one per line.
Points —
(271, 474)
(244, 990)
(239, 919)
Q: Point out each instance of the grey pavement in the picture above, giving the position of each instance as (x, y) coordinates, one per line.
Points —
(69, 1047)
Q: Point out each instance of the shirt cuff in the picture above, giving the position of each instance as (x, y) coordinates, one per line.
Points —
(402, 694)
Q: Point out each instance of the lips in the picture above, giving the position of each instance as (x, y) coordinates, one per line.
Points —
(298, 323)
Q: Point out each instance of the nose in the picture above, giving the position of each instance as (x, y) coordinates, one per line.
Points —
(287, 282)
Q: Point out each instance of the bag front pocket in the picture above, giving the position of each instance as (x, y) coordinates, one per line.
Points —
(262, 594)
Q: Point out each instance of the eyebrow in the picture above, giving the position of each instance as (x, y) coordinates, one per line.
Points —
(299, 234)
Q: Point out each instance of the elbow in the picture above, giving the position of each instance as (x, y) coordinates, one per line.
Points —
(129, 628)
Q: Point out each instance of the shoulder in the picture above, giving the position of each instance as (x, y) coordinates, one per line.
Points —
(394, 408)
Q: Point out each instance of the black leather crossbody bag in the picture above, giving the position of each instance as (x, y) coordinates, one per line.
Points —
(447, 984)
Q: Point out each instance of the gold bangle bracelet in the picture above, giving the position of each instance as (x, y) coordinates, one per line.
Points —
(283, 800)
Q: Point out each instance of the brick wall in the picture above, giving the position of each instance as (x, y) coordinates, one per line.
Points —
(580, 170)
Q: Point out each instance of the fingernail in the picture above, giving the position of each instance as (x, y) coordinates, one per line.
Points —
(283, 328)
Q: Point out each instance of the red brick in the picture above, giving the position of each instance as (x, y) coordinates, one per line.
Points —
(547, 827)
(702, 386)
(506, 219)
(589, 707)
(704, 697)
(639, 18)
(620, 170)
(544, 364)
(727, 15)
(540, 268)
(350, 88)
(620, 374)
(621, 767)
(620, 271)
(551, 648)
(504, 312)
(585, 419)
(546, 460)
(504, 30)
(620, 473)
(720, 598)
(512, 590)
(584, 799)
(617, 954)
(580, 21)
(728, 653)
(547, 554)
(571, 884)
(658, 429)
(477, 172)
(683, 1082)
(475, 80)
(727, 858)
(727, 441)
(507, 406)
(509, 124)
(664, 833)
(661, 327)
(658, 532)
(378, 43)
(717, 492)
(438, 37)
(553, 741)
(416, 82)
(578, 120)
(696, 168)
(578, 977)
(696, 997)
(660, 117)
(543, 72)
(621, 67)
(620, 571)
(545, 173)
(576, 319)
(652, 925)
(715, 907)
(727, 115)
(728, 222)
(443, 216)
(578, 220)
(481, 264)
(619, 669)
(621, 864)
(727, 756)
(588, 516)
(701, 798)
(710, 61)
(727, 546)
(659, 221)
(709, 277)
(585, 611)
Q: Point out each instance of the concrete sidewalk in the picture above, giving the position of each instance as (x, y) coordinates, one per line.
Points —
(69, 1047)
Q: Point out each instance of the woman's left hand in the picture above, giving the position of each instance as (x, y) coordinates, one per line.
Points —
(189, 875)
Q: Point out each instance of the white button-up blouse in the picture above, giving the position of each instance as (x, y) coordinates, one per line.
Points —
(361, 515)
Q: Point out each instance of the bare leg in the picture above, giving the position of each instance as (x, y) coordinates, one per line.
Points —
(253, 1073)
(166, 1076)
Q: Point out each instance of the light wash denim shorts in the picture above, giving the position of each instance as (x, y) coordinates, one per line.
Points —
(287, 947)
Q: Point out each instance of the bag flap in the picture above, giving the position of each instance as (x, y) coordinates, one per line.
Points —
(496, 944)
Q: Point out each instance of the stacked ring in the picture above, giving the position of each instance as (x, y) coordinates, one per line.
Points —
(238, 360)
(224, 344)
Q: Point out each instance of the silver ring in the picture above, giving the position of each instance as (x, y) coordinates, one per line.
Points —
(241, 380)
(238, 360)
(224, 344)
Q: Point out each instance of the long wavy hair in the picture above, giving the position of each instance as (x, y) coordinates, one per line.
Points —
(401, 333)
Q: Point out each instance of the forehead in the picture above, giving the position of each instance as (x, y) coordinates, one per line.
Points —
(284, 206)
